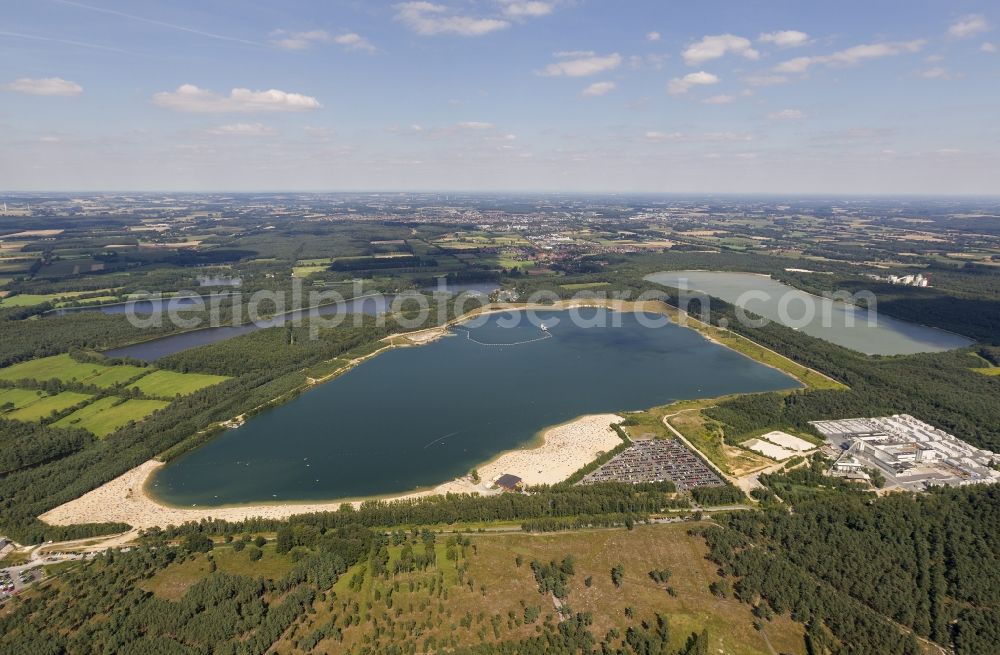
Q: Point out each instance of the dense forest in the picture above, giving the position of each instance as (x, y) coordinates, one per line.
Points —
(852, 567)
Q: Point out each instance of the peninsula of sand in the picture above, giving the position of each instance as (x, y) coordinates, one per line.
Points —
(563, 450)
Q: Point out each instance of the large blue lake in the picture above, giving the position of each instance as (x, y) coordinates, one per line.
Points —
(414, 417)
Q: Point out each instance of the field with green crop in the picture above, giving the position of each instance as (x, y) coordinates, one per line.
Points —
(106, 415)
(45, 406)
(65, 369)
(167, 384)
(19, 397)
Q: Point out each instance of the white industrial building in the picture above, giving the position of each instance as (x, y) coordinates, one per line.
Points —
(910, 452)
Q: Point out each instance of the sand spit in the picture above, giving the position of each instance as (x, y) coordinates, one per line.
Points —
(564, 449)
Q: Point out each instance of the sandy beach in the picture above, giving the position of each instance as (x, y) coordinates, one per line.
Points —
(564, 449)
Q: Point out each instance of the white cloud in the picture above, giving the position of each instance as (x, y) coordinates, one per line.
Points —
(581, 64)
(715, 137)
(785, 38)
(713, 47)
(968, 26)
(45, 86)
(190, 98)
(305, 40)
(354, 41)
(680, 85)
(851, 56)
(598, 89)
(658, 137)
(936, 73)
(429, 19)
(988, 47)
(242, 129)
(787, 115)
(721, 99)
(475, 125)
(299, 40)
(518, 9)
(652, 36)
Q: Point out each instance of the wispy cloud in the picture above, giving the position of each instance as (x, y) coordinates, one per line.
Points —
(988, 47)
(305, 40)
(354, 41)
(652, 36)
(936, 73)
(785, 38)
(967, 26)
(598, 89)
(851, 56)
(714, 47)
(429, 19)
(764, 80)
(242, 129)
(526, 9)
(714, 137)
(787, 115)
(190, 98)
(680, 85)
(475, 125)
(45, 86)
(581, 64)
(159, 23)
(79, 44)
(721, 99)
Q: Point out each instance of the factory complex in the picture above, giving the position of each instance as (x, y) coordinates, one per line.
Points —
(909, 452)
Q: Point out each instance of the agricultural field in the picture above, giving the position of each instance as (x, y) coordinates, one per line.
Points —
(480, 594)
(168, 384)
(45, 406)
(18, 398)
(66, 369)
(108, 414)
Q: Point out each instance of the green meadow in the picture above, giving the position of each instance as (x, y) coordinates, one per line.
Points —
(66, 369)
(106, 415)
(167, 384)
(44, 407)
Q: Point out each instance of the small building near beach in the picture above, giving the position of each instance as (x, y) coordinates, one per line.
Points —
(509, 482)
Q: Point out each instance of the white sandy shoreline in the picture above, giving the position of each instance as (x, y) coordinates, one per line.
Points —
(564, 449)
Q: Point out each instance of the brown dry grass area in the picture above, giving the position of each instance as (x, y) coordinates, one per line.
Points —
(702, 432)
(173, 582)
(499, 587)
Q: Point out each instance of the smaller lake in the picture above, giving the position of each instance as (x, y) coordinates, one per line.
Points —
(154, 349)
(837, 322)
(416, 417)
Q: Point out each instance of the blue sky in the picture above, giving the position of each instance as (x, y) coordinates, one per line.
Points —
(779, 96)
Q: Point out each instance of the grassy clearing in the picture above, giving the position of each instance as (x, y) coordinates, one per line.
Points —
(270, 566)
(19, 397)
(993, 370)
(306, 271)
(585, 285)
(173, 582)
(30, 300)
(44, 407)
(115, 375)
(109, 414)
(57, 367)
(167, 384)
(65, 369)
(410, 604)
